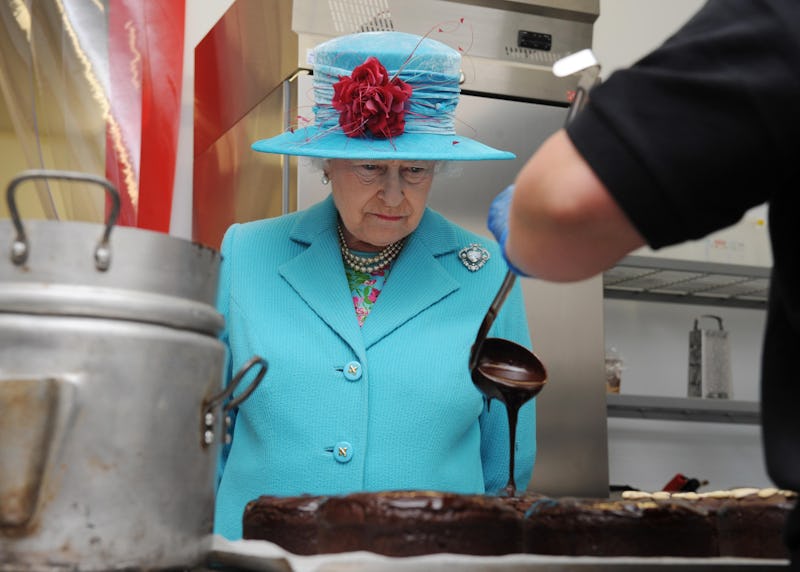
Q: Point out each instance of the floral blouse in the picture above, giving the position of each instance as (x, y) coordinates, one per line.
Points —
(365, 288)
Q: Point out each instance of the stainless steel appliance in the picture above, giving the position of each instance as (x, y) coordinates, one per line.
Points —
(252, 81)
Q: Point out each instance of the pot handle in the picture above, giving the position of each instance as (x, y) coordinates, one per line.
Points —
(19, 250)
(36, 417)
(211, 403)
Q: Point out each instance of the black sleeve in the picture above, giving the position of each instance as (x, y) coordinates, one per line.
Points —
(703, 128)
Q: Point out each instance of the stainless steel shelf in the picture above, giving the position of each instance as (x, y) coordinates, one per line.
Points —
(687, 282)
(683, 409)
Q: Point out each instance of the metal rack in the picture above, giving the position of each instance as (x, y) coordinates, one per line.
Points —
(687, 282)
(683, 409)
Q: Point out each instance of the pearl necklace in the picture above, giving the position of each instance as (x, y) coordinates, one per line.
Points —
(373, 264)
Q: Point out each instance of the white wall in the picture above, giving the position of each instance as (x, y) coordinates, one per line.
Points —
(628, 29)
(653, 338)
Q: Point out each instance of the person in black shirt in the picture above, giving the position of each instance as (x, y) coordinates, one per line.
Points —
(677, 146)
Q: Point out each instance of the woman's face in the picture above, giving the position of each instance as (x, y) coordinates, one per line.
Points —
(380, 202)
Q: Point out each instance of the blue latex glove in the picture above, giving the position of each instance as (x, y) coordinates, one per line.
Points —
(497, 222)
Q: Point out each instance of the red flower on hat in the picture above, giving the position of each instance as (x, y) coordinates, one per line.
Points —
(368, 100)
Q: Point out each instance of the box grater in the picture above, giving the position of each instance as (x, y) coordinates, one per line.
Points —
(709, 361)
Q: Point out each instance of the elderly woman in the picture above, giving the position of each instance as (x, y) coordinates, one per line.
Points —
(367, 303)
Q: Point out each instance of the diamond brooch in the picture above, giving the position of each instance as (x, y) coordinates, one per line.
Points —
(473, 256)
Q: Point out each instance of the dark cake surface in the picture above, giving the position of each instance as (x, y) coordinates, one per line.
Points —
(750, 525)
(407, 523)
(598, 527)
(736, 522)
(289, 522)
(522, 501)
(748, 522)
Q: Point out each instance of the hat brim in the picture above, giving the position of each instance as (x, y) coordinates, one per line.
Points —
(313, 142)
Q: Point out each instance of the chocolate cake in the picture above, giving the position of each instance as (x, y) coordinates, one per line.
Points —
(408, 523)
(522, 501)
(737, 522)
(748, 522)
(289, 522)
(595, 527)
(750, 525)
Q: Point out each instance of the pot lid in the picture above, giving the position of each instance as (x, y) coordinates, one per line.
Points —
(87, 269)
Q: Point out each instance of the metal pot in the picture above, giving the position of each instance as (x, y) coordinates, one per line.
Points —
(110, 389)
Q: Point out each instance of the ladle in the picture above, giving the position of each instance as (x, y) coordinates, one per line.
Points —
(502, 369)
(506, 371)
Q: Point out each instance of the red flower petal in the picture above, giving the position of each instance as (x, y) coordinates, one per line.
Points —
(369, 100)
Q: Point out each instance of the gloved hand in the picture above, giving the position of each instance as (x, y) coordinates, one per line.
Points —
(497, 222)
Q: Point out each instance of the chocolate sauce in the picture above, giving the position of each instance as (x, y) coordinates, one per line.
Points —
(512, 374)
(514, 385)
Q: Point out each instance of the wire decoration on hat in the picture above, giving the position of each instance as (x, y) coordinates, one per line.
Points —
(430, 111)
(427, 108)
(384, 95)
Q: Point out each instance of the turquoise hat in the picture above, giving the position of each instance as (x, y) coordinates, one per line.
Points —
(383, 95)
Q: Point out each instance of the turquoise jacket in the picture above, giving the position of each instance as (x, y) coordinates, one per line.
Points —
(343, 408)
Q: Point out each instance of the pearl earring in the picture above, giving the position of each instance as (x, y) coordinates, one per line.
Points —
(325, 179)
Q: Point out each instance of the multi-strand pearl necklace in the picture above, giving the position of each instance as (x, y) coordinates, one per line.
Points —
(373, 264)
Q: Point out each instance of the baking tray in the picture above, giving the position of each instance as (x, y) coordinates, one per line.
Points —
(262, 556)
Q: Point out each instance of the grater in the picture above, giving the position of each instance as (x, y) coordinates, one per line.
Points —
(709, 361)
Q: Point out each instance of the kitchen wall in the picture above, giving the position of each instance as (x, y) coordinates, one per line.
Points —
(653, 337)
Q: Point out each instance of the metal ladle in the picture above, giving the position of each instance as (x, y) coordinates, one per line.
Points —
(502, 369)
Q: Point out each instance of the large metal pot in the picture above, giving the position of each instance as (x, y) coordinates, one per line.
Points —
(110, 392)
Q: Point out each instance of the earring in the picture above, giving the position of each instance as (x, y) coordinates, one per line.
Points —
(325, 179)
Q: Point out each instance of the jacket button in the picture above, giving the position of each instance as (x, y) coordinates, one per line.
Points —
(352, 371)
(343, 452)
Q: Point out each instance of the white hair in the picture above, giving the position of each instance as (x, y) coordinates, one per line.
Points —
(443, 168)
